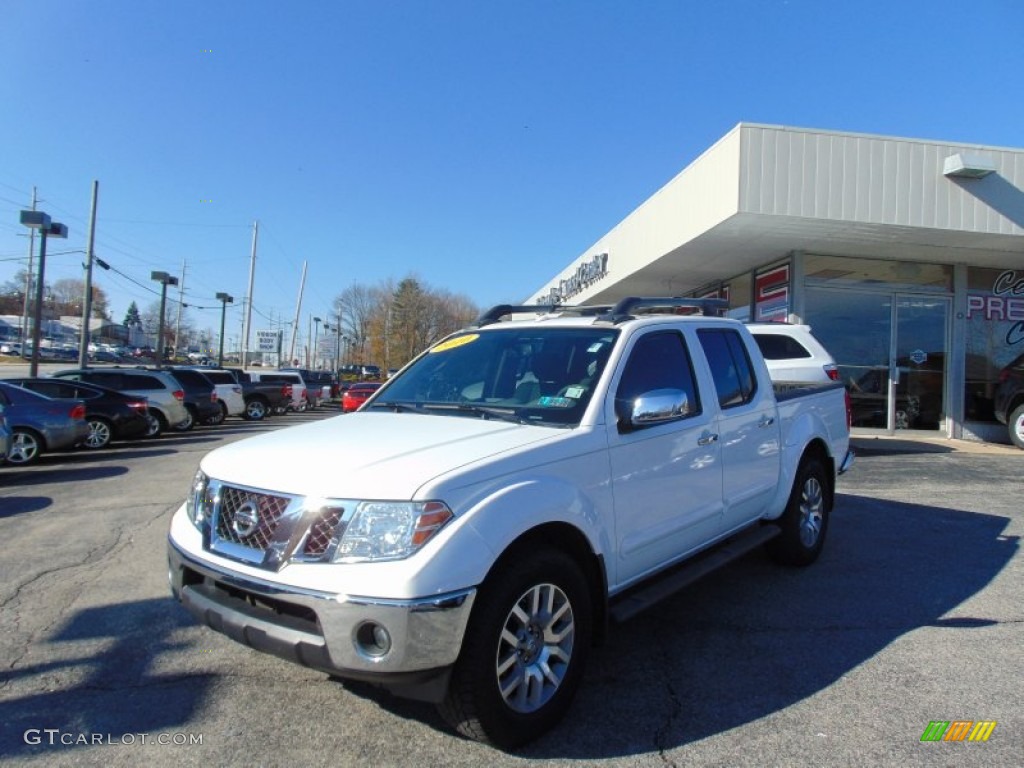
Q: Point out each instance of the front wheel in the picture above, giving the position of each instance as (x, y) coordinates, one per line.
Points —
(26, 446)
(1016, 424)
(524, 651)
(805, 521)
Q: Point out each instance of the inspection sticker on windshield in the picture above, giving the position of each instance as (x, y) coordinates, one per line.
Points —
(444, 346)
(555, 402)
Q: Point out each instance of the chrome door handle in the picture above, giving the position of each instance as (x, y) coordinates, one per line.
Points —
(707, 438)
(766, 421)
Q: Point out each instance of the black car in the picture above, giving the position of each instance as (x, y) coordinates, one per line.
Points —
(111, 415)
(200, 397)
(1009, 400)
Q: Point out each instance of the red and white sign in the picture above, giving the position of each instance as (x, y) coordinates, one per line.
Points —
(771, 294)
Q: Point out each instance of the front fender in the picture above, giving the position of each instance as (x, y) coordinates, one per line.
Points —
(505, 513)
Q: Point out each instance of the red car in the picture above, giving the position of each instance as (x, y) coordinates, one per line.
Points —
(356, 395)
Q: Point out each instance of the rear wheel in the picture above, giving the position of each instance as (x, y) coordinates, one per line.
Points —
(523, 653)
(155, 424)
(1016, 424)
(100, 434)
(26, 446)
(222, 414)
(805, 521)
(189, 422)
(255, 410)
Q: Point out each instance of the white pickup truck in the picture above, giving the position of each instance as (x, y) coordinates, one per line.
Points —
(475, 527)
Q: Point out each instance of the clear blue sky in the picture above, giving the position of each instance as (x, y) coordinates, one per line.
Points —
(480, 145)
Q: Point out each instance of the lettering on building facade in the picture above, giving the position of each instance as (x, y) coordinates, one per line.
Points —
(586, 274)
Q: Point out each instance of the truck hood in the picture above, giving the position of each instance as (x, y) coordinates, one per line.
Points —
(367, 454)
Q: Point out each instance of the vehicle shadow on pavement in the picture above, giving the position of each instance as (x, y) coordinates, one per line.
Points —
(865, 446)
(116, 693)
(755, 638)
(39, 476)
(19, 505)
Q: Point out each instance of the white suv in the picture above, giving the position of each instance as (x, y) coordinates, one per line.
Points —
(792, 353)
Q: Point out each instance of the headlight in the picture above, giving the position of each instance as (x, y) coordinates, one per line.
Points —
(390, 530)
(198, 503)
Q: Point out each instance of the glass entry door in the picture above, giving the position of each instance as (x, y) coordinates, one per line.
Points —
(891, 353)
(917, 397)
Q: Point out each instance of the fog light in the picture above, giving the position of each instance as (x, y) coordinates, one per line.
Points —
(373, 640)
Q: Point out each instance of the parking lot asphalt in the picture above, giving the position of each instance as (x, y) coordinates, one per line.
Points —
(912, 615)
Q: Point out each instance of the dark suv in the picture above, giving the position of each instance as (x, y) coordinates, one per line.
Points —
(200, 397)
(1009, 400)
(319, 385)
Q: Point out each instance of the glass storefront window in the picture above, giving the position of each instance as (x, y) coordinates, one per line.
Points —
(844, 272)
(995, 334)
(891, 352)
(856, 328)
(739, 297)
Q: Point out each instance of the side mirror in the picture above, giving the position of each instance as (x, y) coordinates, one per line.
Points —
(658, 406)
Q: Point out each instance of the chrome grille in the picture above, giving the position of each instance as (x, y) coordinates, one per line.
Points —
(249, 518)
(322, 531)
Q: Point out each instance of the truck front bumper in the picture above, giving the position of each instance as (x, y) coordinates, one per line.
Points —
(407, 646)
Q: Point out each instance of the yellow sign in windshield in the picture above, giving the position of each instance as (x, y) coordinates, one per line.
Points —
(458, 341)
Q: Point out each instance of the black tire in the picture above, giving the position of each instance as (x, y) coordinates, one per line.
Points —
(255, 410)
(222, 414)
(1015, 426)
(189, 422)
(100, 434)
(26, 447)
(804, 524)
(547, 661)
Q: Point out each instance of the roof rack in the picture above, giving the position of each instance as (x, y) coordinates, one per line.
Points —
(625, 309)
(494, 314)
(622, 311)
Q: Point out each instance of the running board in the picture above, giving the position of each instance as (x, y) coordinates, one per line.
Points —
(643, 597)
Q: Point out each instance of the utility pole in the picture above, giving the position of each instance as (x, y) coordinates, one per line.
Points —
(247, 310)
(28, 281)
(181, 303)
(298, 308)
(83, 342)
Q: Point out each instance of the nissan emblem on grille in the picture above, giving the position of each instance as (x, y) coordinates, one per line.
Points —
(247, 519)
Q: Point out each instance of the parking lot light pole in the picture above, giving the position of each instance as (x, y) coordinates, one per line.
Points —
(224, 300)
(47, 228)
(164, 279)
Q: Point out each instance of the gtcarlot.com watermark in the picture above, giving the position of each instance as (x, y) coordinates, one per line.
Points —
(55, 737)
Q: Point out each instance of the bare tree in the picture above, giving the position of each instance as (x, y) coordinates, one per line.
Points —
(391, 323)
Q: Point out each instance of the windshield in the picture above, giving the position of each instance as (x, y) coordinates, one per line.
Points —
(537, 375)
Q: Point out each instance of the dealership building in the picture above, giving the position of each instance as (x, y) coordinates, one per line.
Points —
(905, 256)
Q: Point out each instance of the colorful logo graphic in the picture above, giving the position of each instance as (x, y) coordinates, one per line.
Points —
(958, 730)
